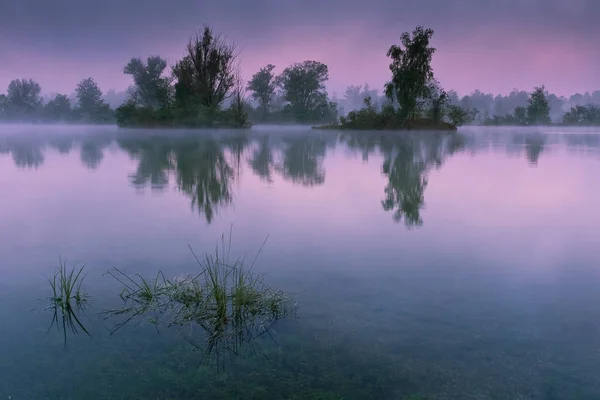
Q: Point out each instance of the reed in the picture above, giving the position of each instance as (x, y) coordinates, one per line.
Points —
(228, 302)
(67, 299)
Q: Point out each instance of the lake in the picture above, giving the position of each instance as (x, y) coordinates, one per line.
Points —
(424, 265)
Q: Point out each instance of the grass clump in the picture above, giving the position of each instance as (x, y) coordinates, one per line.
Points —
(227, 303)
(67, 299)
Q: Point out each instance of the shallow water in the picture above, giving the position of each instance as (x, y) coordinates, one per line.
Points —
(447, 266)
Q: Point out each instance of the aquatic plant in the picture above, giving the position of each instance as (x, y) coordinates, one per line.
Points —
(230, 304)
(67, 299)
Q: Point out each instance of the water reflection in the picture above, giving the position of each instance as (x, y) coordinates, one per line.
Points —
(303, 160)
(204, 175)
(204, 166)
(534, 146)
(91, 153)
(27, 156)
(202, 170)
(262, 160)
(154, 162)
(62, 144)
(407, 158)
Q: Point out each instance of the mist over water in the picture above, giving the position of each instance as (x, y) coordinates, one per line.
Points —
(447, 265)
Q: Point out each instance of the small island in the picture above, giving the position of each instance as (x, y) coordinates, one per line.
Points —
(414, 99)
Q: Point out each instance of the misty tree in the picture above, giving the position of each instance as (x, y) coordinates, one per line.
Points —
(355, 95)
(237, 108)
(437, 100)
(538, 110)
(152, 89)
(582, 115)
(303, 85)
(206, 76)
(411, 69)
(505, 104)
(23, 97)
(89, 101)
(262, 88)
(521, 115)
(2, 105)
(458, 116)
(59, 108)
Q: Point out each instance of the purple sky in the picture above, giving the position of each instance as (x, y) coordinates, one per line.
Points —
(493, 46)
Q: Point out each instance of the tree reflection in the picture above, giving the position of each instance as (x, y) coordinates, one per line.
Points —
(534, 146)
(407, 159)
(91, 153)
(236, 144)
(404, 193)
(26, 154)
(154, 162)
(204, 175)
(262, 160)
(303, 160)
(62, 144)
(199, 164)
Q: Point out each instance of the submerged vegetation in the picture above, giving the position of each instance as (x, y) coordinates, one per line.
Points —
(224, 306)
(67, 299)
(226, 301)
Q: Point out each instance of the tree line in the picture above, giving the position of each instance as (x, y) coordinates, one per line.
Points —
(489, 109)
(23, 101)
(205, 89)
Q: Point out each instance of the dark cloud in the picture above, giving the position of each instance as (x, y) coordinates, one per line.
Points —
(78, 31)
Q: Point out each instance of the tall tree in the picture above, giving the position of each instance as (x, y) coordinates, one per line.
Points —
(303, 85)
(262, 88)
(437, 100)
(89, 98)
(23, 97)
(59, 108)
(206, 76)
(538, 110)
(411, 69)
(2, 105)
(151, 89)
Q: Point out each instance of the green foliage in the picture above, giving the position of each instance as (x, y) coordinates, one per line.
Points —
(59, 108)
(262, 88)
(411, 70)
(3, 105)
(204, 79)
(458, 116)
(90, 106)
(129, 114)
(236, 114)
(151, 89)
(22, 99)
(438, 102)
(536, 113)
(67, 299)
(225, 301)
(521, 116)
(368, 118)
(583, 115)
(303, 86)
(422, 103)
(538, 110)
(206, 76)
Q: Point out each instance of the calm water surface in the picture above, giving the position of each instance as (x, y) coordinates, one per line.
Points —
(445, 266)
